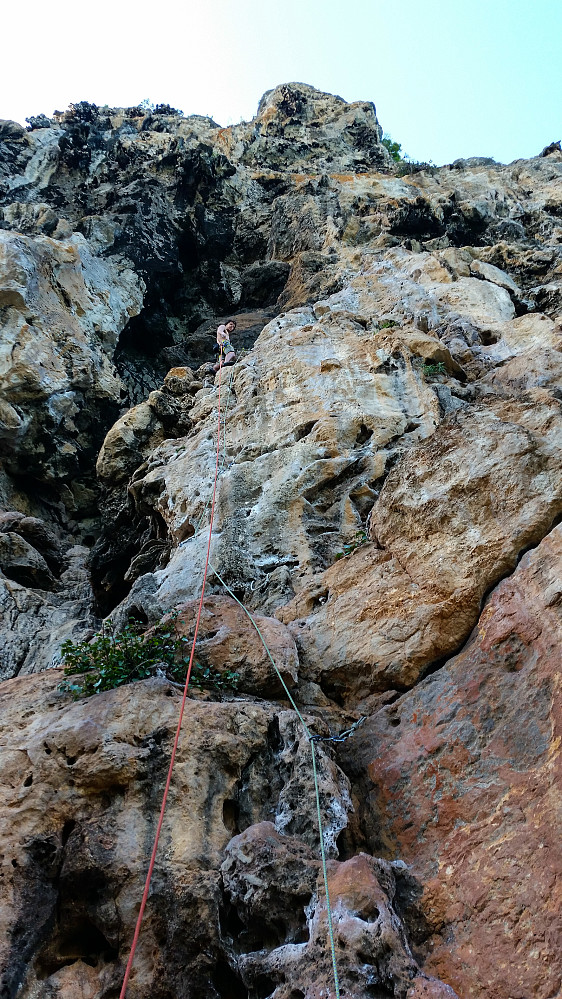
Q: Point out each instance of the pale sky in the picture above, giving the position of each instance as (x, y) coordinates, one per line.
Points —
(449, 78)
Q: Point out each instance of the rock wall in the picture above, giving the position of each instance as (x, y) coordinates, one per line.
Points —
(388, 504)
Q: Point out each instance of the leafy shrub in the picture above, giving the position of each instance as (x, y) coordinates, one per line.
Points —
(387, 324)
(409, 166)
(394, 148)
(112, 659)
(359, 539)
(167, 109)
(434, 369)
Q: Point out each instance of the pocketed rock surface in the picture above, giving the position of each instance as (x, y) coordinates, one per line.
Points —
(387, 509)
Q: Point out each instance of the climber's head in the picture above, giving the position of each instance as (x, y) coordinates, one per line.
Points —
(230, 325)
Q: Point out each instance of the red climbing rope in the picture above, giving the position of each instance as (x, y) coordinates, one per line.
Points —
(178, 730)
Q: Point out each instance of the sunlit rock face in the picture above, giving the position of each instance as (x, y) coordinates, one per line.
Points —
(388, 506)
(63, 310)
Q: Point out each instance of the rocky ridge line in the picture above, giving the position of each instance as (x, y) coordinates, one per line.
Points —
(392, 449)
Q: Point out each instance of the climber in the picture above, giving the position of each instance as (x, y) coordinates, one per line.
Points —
(224, 346)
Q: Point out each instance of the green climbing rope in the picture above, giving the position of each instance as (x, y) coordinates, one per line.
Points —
(310, 738)
(325, 870)
(309, 735)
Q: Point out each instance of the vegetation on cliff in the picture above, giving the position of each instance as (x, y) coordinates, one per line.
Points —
(388, 507)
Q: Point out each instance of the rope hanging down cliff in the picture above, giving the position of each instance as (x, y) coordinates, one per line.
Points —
(182, 709)
(311, 738)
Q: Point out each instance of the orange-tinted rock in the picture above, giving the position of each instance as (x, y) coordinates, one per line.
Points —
(228, 641)
(464, 783)
(451, 520)
(81, 784)
(276, 888)
(393, 334)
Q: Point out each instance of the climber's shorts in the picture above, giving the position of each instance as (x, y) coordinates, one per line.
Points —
(227, 347)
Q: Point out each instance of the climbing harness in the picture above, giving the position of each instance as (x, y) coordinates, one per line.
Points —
(224, 349)
(309, 735)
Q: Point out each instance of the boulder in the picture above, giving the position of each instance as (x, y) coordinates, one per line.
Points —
(490, 273)
(277, 892)
(123, 447)
(22, 563)
(228, 642)
(452, 519)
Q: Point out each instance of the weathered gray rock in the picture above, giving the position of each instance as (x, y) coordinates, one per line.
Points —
(391, 448)
(54, 293)
(36, 621)
(80, 782)
(21, 562)
(269, 878)
(299, 127)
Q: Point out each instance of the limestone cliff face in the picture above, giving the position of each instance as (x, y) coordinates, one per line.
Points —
(389, 493)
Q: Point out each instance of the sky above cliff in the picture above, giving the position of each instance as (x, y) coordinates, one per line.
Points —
(467, 78)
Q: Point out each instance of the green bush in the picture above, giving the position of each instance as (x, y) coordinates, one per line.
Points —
(434, 369)
(394, 148)
(112, 659)
(409, 166)
(359, 539)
